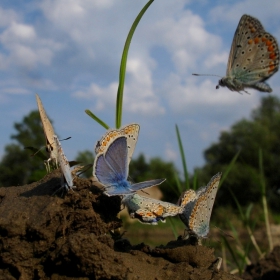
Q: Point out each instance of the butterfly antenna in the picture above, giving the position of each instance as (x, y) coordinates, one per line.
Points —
(224, 233)
(194, 74)
(145, 192)
(38, 151)
(65, 138)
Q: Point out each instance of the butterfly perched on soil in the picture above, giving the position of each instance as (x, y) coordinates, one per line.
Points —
(253, 58)
(49, 134)
(148, 210)
(64, 165)
(110, 168)
(130, 131)
(198, 207)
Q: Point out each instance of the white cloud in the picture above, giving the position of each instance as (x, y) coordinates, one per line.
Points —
(139, 96)
(228, 12)
(15, 91)
(216, 59)
(7, 16)
(18, 32)
(102, 97)
(186, 39)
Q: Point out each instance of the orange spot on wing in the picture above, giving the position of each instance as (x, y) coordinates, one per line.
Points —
(268, 43)
(270, 48)
(271, 68)
(159, 211)
(272, 55)
(256, 40)
(250, 41)
(264, 39)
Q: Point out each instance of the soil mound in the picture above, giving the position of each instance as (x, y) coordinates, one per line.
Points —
(46, 236)
(265, 269)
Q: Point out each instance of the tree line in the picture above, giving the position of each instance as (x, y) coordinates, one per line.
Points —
(247, 136)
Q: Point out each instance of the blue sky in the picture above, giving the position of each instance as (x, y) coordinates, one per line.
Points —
(68, 51)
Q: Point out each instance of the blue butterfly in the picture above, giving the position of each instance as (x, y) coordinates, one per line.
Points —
(111, 170)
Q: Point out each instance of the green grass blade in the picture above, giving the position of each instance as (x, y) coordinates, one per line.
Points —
(97, 119)
(233, 255)
(264, 201)
(172, 225)
(239, 246)
(248, 228)
(123, 65)
(248, 211)
(228, 169)
(195, 187)
(238, 206)
(183, 158)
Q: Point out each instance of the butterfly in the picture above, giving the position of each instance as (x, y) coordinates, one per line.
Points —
(130, 131)
(198, 207)
(110, 168)
(49, 134)
(253, 58)
(148, 210)
(64, 165)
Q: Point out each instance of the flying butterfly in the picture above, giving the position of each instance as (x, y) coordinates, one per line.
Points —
(253, 58)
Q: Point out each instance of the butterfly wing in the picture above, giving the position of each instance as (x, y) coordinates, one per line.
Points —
(146, 184)
(149, 210)
(48, 130)
(130, 131)
(201, 211)
(111, 168)
(254, 56)
(64, 164)
(187, 202)
(240, 37)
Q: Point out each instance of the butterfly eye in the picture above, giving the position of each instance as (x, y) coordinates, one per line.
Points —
(221, 83)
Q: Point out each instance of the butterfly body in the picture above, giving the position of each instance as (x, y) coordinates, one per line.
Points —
(65, 167)
(148, 210)
(49, 134)
(254, 57)
(198, 207)
(110, 168)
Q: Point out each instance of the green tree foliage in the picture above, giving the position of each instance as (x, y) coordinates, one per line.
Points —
(17, 166)
(85, 157)
(262, 131)
(140, 170)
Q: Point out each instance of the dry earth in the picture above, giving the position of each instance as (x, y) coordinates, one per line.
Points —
(46, 236)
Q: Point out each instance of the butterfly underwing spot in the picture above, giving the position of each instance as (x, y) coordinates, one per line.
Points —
(197, 208)
(148, 210)
(130, 131)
